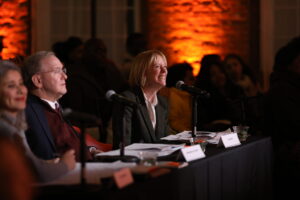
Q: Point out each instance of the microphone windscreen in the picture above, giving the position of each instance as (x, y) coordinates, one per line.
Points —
(109, 93)
(67, 111)
(179, 84)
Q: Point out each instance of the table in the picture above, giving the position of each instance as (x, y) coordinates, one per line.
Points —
(243, 172)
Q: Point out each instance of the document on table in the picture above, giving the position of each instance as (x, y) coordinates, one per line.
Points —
(94, 171)
(211, 137)
(216, 139)
(186, 136)
(134, 149)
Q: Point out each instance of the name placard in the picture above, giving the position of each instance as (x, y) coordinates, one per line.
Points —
(192, 153)
(123, 177)
(230, 140)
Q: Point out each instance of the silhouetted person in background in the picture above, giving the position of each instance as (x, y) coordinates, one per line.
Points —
(69, 52)
(74, 50)
(135, 44)
(219, 111)
(241, 74)
(59, 48)
(87, 87)
(282, 119)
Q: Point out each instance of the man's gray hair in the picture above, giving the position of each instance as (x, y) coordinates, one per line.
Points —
(32, 66)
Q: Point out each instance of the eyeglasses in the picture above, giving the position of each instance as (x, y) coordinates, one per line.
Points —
(57, 71)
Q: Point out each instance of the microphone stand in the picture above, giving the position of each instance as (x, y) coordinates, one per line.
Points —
(82, 155)
(194, 117)
(123, 157)
(83, 120)
(82, 145)
(82, 126)
(122, 139)
(121, 133)
(243, 110)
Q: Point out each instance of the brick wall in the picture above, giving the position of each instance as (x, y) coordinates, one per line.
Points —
(14, 27)
(188, 29)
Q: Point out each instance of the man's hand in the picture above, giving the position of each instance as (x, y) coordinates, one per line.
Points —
(55, 160)
(94, 150)
(69, 159)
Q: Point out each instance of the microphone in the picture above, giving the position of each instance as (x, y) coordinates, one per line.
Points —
(191, 89)
(68, 113)
(111, 95)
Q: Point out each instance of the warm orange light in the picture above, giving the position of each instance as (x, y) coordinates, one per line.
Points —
(14, 27)
(188, 29)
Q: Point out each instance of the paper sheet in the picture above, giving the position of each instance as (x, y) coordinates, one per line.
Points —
(186, 136)
(134, 149)
(94, 171)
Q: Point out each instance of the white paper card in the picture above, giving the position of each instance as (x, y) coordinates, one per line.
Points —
(192, 153)
(230, 140)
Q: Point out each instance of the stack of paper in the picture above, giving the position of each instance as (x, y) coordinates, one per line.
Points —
(134, 149)
(94, 171)
(185, 136)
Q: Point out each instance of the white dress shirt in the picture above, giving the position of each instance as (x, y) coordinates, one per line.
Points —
(151, 109)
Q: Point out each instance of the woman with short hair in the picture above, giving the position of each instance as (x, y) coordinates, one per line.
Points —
(148, 121)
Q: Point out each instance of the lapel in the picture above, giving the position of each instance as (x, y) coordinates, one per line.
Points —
(159, 119)
(144, 113)
(38, 112)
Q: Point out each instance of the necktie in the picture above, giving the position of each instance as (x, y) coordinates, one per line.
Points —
(57, 107)
(58, 110)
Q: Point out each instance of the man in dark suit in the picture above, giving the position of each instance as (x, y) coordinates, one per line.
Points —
(48, 135)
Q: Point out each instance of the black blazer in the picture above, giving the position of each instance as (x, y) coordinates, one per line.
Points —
(137, 121)
(38, 134)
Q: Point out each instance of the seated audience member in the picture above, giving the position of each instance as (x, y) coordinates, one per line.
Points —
(282, 108)
(74, 50)
(180, 102)
(220, 110)
(148, 122)
(69, 52)
(135, 44)
(241, 74)
(95, 75)
(49, 134)
(13, 95)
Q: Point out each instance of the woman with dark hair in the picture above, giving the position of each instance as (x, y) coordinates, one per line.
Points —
(221, 109)
(13, 95)
(241, 74)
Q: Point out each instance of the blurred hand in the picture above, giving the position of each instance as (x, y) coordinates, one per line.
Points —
(69, 159)
(94, 151)
(55, 160)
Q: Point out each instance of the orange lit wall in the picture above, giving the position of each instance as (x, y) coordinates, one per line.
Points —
(188, 29)
(14, 27)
